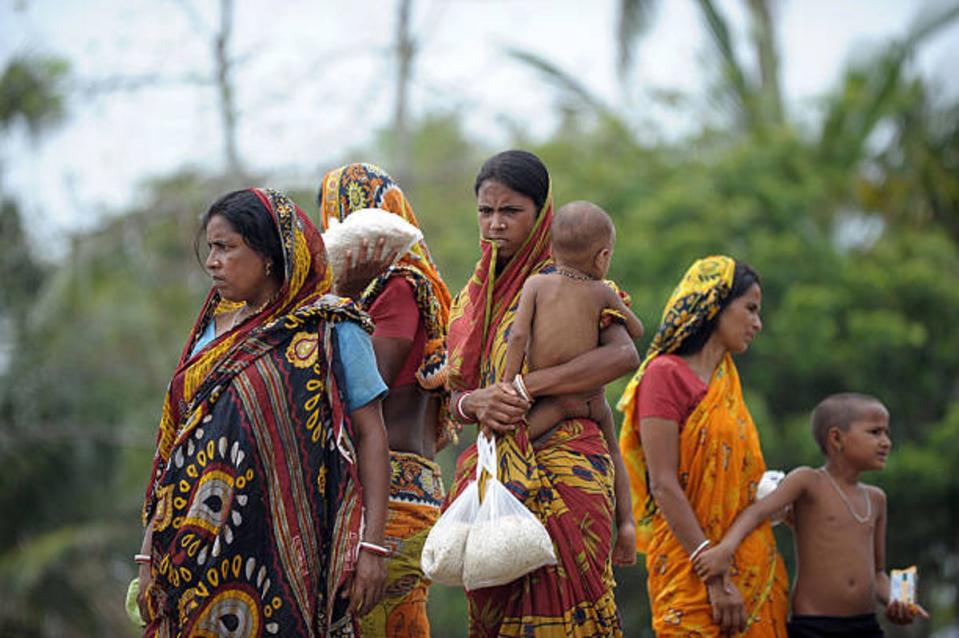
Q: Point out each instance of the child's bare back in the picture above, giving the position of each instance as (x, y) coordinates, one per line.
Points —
(566, 317)
(559, 318)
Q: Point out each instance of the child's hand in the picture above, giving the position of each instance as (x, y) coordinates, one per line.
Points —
(712, 562)
(624, 552)
(903, 613)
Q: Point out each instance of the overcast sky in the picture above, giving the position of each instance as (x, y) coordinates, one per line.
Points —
(316, 77)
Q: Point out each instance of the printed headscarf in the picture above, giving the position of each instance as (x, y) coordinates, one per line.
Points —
(306, 277)
(353, 187)
(697, 299)
(486, 300)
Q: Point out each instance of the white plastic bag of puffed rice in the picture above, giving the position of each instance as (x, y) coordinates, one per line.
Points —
(767, 484)
(445, 546)
(506, 540)
(370, 224)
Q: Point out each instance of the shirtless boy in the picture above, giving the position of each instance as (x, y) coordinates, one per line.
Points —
(559, 318)
(839, 525)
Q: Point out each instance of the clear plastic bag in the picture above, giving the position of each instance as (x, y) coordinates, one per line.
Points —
(506, 540)
(445, 546)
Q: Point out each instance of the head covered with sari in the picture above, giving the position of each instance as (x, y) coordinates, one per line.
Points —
(484, 308)
(568, 482)
(254, 465)
(306, 277)
(356, 186)
(720, 462)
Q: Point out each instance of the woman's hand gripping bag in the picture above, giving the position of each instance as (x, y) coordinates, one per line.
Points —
(445, 546)
(370, 224)
(506, 540)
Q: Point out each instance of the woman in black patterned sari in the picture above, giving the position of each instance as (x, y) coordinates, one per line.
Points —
(265, 510)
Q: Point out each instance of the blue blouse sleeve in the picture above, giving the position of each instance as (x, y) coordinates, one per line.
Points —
(357, 371)
(208, 335)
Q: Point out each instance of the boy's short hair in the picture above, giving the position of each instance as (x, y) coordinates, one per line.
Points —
(579, 228)
(839, 411)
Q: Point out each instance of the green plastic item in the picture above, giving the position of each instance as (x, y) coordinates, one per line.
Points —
(133, 611)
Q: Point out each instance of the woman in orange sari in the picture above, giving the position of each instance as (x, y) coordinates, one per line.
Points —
(565, 477)
(694, 459)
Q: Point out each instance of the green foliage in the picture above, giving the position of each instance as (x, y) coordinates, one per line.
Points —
(857, 244)
(30, 92)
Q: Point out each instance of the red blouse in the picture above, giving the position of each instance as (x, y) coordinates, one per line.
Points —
(669, 390)
(395, 314)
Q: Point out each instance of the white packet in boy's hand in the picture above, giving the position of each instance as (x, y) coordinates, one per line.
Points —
(902, 585)
(767, 484)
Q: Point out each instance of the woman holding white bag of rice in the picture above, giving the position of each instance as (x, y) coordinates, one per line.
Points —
(565, 478)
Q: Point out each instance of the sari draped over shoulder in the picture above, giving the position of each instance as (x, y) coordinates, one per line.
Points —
(720, 465)
(255, 500)
(566, 479)
(416, 486)
(357, 186)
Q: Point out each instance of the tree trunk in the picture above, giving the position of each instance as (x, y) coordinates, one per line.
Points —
(224, 68)
(764, 38)
(405, 53)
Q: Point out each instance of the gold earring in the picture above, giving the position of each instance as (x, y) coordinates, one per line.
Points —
(268, 268)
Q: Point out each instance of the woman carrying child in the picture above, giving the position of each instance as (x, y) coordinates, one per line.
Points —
(565, 478)
(409, 304)
(694, 459)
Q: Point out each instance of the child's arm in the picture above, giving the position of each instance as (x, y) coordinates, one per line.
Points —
(899, 612)
(633, 324)
(624, 551)
(715, 561)
(519, 331)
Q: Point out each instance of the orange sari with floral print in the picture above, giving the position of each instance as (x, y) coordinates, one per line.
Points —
(566, 479)
(720, 465)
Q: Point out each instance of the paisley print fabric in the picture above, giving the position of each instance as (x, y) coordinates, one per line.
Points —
(255, 501)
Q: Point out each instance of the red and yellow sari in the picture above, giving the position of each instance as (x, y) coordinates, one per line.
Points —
(566, 479)
(254, 500)
(720, 464)
(416, 486)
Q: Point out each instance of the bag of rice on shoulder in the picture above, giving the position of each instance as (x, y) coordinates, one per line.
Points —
(370, 224)
(506, 541)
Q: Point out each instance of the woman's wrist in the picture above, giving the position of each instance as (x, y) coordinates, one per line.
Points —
(530, 383)
(460, 409)
(376, 549)
(703, 546)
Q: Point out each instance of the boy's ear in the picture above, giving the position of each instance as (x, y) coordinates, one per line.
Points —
(602, 258)
(834, 438)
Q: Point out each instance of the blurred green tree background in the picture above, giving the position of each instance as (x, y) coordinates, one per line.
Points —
(852, 220)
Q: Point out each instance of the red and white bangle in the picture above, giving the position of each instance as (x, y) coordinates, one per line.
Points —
(460, 414)
(376, 550)
(142, 559)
